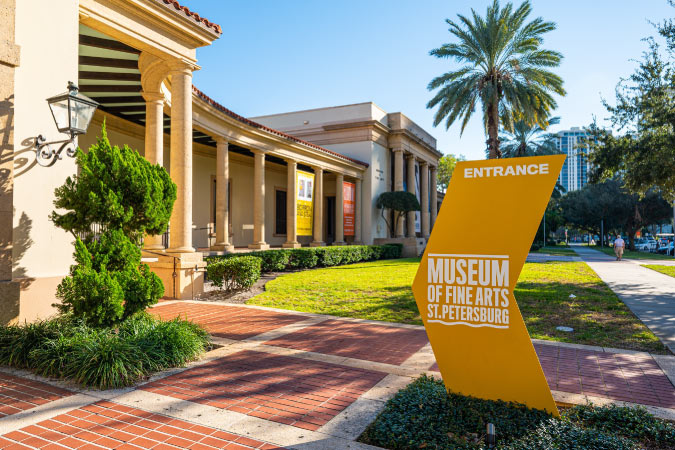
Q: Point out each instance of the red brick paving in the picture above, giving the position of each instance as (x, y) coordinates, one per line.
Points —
(623, 377)
(232, 322)
(19, 394)
(378, 343)
(110, 425)
(283, 389)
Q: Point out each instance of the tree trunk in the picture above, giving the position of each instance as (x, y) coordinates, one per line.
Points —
(493, 130)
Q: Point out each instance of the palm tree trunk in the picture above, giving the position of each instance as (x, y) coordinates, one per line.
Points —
(493, 130)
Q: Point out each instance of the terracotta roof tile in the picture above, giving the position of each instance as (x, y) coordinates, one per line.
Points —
(173, 4)
(243, 119)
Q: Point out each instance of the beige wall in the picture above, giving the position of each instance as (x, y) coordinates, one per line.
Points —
(48, 62)
(296, 119)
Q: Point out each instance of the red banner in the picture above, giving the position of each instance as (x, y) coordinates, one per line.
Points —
(348, 207)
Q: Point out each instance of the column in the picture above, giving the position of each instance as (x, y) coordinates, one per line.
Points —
(222, 197)
(358, 238)
(434, 196)
(424, 195)
(398, 184)
(411, 188)
(154, 147)
(292, 205)
(259, 202)
(181, 158)
(339, 210)
(318, 208)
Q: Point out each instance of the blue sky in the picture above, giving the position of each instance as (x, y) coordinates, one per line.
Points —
(277, 56)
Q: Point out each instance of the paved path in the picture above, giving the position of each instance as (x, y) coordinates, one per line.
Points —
(285, 379)
(649, 294)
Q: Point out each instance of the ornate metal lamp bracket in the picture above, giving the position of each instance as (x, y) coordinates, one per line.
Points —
(47, 154)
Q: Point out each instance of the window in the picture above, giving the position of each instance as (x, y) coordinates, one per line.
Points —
(280, 207)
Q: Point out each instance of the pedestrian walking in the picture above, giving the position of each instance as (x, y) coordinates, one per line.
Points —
(619, 246)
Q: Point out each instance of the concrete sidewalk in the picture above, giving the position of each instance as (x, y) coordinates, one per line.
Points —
(649, 294)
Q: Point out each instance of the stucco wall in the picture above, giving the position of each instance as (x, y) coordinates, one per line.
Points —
(296, 119)
(49, 60)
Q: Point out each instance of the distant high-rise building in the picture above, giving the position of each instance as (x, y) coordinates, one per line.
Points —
(574, 173)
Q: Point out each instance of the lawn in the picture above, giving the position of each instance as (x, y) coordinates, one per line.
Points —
(629, 254)
(562, 251)
(668, 270)
(380, 290)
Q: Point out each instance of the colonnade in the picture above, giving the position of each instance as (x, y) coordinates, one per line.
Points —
(428, 175)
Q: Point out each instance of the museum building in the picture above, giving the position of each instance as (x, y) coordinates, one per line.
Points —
(285, 180)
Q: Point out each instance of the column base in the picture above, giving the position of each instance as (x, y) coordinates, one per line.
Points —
(180, 250)
(291, 245)
(222, 248)
(317, 244)
(189, 279)
(154, 248)
(357, 243)
(339, 243)
(259, 246)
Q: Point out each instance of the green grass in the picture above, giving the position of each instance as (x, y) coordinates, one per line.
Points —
(381, 290)
(630, 254)
(562, 251)
(377, 290)
(667, 270)
(597, 315)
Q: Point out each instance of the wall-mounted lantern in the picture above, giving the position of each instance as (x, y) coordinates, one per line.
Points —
(72, 113)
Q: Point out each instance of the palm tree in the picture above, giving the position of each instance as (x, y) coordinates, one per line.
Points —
(529, 140)
(503, 68)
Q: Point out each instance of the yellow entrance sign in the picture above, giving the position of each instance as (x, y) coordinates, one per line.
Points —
(305, 183)
(464, 285)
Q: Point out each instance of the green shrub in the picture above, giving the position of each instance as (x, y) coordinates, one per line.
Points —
(303, 258)
(102, 358)
(272, 260)
(391, 251)
(559, 434)
(235, 273)
(424, 415)
(126, 197)
(535, 247)
(634, 423)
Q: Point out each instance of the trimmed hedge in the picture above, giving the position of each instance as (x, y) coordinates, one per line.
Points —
(236, 273)
(282, 260)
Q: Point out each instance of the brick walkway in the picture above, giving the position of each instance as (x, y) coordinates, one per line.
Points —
(231, 322)
(107, 425)
(378, 343)
(624, 377)
(292, 391)
(19, 394)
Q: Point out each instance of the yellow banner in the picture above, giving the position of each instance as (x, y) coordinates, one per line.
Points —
(464, 285)
(305, 185)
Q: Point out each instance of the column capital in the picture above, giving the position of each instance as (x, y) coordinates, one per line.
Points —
(424, 163)
(220, 140)
(178, 66)
(410, 156)
(257, 151)
(317, 168)
(290, 160)
(397, 150)
(153, 96)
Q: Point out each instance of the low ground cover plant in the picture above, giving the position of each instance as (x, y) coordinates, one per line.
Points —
(234, 272)
(424, 415)
(68, 348)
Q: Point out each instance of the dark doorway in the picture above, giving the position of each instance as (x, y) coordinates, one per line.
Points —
(330, 220)
(280, 222)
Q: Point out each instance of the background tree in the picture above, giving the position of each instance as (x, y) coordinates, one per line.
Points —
(644, 114)
(529, 140)
(614, 205)
(398, 203)
(446, 165)
(119, 190)
(504, 70)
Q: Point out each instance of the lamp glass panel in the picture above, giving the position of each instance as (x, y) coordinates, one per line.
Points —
(60, 112)
(80, 116)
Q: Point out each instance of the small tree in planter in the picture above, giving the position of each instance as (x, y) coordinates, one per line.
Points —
(126, 196)
(399, 203)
